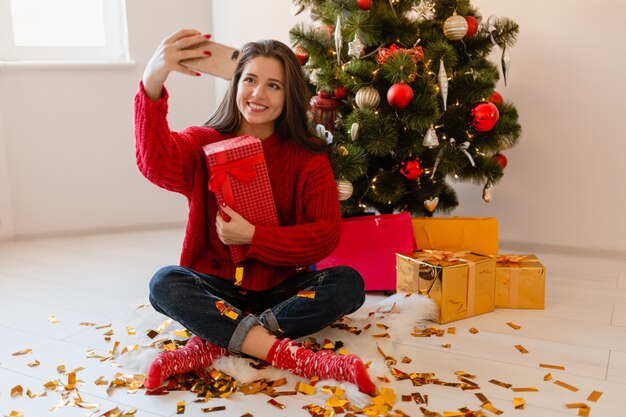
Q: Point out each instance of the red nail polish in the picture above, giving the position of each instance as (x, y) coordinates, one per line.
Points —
(207, 53)
(207, 36)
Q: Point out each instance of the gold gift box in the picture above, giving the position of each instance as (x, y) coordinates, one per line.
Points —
(473, 234)
(520, 282)
(460, 283)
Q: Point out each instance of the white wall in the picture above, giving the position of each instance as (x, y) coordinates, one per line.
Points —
(6, 213)
(563, 186)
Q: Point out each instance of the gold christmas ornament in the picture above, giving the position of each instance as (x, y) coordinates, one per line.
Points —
(431, 204)
(430, 139)
(455, 27)
(343, 151)
(354, 131)
(367, 98)
(443, 84)
(344, 189)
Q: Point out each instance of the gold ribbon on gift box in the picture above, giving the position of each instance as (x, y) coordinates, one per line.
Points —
(516, 263)
(443, 256)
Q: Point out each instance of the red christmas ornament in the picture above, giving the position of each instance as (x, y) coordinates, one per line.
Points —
(496, 98)
(483, 116)
(387, 51)
(340, 92)
(399, 95)
(364, 4)
(472, 26)
(501, 160)
(411, 169)
(324, 94)
(301, 54)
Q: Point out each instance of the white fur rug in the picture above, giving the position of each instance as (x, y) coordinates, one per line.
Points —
(395, 315)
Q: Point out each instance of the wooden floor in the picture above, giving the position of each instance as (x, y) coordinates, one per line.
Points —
(100, 279)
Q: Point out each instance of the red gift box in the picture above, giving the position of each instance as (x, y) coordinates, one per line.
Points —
(369, 245)
(238, 177)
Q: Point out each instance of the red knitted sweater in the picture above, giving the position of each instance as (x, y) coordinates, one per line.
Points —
(302, 184)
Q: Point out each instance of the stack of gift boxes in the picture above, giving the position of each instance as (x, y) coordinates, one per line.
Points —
(458, 267)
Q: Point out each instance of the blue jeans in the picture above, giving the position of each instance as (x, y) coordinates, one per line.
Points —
(189, 297)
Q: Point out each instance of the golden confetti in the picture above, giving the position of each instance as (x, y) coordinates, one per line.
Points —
(514, 326)
(71, 381)
(446, 346)
(524, 389)
(276, 403)
(104, 326)
(566, 386)
(21, 352)
(182, 333)
(406, 359)
(577, 405)
(382, 326)
(278, 383)
(180, 407)
(452, 330)
(382, 336)
(419, 399)
(557, 367)
(115, 346)
(152, 334)
(108, 333)
(101, 381)
(51, 385)
(86, 323)
(383, 379)
(335, 401)
(54, 320)
(217, 408)
(33, 364)
(238, 276)
(17, 391)
(594, 396)
(518, 403)
(501, 384)
(61, 369)
(131, 330)
(306, 294)
(473, 330)
(521, 348)
(547, 377)
(584, 412)
(305, 388)
(15, 414)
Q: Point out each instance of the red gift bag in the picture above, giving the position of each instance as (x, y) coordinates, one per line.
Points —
(239, 178)
(369, 245)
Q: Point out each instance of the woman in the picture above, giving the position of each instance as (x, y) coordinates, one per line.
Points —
(267, 99)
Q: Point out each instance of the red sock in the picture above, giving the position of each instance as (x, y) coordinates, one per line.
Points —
(325, 364)
(196, 354)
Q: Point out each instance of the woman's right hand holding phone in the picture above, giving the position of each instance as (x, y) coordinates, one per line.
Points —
(167, 57)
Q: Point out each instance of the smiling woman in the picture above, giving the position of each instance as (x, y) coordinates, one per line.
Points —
(63, 30)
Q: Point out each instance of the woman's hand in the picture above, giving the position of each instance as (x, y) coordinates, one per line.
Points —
(167, 57)
(237, 231)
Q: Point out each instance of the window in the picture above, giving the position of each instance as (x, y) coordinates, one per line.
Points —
(63, 30)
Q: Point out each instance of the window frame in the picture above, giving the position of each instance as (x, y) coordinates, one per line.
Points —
(114, 50)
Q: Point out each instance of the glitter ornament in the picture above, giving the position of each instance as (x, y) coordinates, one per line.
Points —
(411, 169)
(422, 12)
(356, 48)
(431, 204)
(483, 116)
(472, 26)
(443, 84)
(430, 139)
(344, 189)
(367, 98)
(399, 95)
(455, 27)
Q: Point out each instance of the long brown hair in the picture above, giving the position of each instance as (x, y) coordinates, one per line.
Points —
(292, 122)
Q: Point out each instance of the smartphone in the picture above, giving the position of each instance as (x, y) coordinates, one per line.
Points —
(222, 62)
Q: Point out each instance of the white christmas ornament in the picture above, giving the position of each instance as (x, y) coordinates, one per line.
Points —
(443, 84)
(354, 131)
(506, 63)
(344, 189)
(423, 11)
(430, 139)
(356, 48)
(488, 192)
(338, 39)
(322, 133)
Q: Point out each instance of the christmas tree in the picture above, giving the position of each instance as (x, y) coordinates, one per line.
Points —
(404, 89)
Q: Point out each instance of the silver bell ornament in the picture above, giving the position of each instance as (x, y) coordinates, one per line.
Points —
(430, 139)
